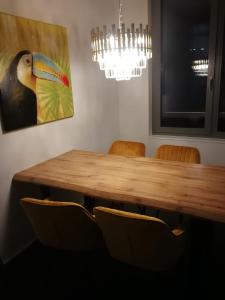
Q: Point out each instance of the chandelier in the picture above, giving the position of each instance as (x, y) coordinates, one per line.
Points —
(200, 67)
(122, 53)
(200, 61)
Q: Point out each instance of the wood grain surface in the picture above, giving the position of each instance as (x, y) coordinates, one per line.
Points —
(195, 189)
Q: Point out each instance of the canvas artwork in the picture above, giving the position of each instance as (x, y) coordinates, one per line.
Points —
(35, 80)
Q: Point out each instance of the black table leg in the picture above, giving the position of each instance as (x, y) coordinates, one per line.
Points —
(142, 209)
(44, 191)
(89, 203)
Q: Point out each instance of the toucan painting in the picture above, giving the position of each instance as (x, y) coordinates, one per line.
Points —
(35, 84)
(18, 88)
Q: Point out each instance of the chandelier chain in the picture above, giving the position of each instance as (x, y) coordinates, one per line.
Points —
(120, 14)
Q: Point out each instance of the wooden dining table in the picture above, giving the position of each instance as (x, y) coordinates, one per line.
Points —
(194, 189)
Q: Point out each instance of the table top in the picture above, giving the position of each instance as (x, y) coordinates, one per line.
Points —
(195, 189)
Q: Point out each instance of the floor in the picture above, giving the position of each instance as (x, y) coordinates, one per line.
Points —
(40, 273)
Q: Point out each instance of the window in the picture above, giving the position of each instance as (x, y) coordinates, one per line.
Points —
(188, 87)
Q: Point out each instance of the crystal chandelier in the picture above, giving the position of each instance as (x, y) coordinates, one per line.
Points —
(122, 53)
(200, 61)
(200, 67)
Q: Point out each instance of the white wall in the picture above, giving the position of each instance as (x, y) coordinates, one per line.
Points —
(135, 107)
(133, 95)
(93, 127)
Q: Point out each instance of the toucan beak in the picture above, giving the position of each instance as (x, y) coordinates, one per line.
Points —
(45, 68)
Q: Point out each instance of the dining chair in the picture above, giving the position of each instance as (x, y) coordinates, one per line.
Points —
(178, 153)
(63, 225)
(185, 154)
(128, 148)
(139, 240)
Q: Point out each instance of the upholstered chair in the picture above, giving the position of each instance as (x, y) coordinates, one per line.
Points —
(129, 148)
(178, 153)
(185, 154)
(139, 240)
(63, 225)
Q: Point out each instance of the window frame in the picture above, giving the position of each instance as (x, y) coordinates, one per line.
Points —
(218, 69)
(213, 80)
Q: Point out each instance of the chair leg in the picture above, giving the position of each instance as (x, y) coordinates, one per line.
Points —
(44, 192)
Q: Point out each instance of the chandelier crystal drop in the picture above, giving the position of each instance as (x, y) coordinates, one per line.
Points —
(122, 53)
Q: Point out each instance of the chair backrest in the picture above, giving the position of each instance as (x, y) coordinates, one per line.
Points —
(140, 240)
(129, 148)
(178, 153)
(63, 225)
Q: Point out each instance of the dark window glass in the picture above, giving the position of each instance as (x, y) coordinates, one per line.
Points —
(184, 56)
(221, 117)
